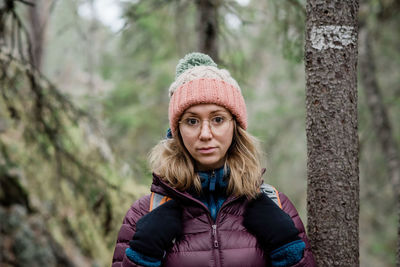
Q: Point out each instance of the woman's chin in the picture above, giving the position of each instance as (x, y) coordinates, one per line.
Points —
(204, 165)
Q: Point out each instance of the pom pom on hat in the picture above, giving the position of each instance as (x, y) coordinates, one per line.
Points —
(196, 66)
(199, 81)
(191, 60)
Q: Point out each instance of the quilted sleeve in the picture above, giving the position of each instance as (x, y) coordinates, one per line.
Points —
(128, 228)
(288, 207)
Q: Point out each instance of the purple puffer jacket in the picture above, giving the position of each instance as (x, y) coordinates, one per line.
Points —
(224, 242)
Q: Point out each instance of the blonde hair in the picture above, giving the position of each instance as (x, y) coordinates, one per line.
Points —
(171, 161)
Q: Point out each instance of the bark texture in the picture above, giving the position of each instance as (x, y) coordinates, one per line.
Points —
(380, 119)
(331, 128)
(207, 26)
(38, 17)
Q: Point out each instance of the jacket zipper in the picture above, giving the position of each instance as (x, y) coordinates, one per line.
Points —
(216, 250)
(214, 233)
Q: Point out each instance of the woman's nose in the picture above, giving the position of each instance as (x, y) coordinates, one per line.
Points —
(205, 130)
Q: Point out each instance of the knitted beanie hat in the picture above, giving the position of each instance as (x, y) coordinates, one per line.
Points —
(199, 81)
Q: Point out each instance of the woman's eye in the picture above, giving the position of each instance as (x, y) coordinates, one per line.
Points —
(218, 119)
(192, 121)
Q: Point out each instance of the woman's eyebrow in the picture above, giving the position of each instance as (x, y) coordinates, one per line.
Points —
(212, 112)
(218, 110)
(189, 113)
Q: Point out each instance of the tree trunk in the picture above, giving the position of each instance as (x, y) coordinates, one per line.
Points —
(207, 26)
(331, 128)
(38, 18)
(380, 120)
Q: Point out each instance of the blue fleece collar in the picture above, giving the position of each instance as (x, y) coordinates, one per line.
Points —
(214, 184)
(214, 180)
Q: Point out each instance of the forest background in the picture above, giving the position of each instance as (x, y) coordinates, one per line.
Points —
(71, 168)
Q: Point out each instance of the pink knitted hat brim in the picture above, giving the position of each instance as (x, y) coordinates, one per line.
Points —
(206, 91)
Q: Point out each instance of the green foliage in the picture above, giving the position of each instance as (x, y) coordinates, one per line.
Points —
(52, 145)
(289, 19)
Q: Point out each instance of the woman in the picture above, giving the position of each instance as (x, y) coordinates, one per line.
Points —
(208, 205)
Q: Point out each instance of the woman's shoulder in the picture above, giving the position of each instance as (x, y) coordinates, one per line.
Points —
(138, 209)
(290, 209)
(287, 205)
(278, 197)
(281, 200)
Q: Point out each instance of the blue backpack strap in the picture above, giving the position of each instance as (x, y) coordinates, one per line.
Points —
(157, 199)
(272, 193)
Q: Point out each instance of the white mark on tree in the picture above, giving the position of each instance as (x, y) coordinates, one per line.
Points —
(332, 36)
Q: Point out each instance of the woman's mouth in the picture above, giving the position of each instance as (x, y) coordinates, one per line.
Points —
(206, 150)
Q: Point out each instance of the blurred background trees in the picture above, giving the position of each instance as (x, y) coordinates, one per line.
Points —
(77, 124)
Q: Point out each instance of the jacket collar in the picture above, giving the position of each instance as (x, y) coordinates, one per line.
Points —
(214, 180)
(161, 187)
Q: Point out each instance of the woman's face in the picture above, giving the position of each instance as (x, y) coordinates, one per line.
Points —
(207, 132)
